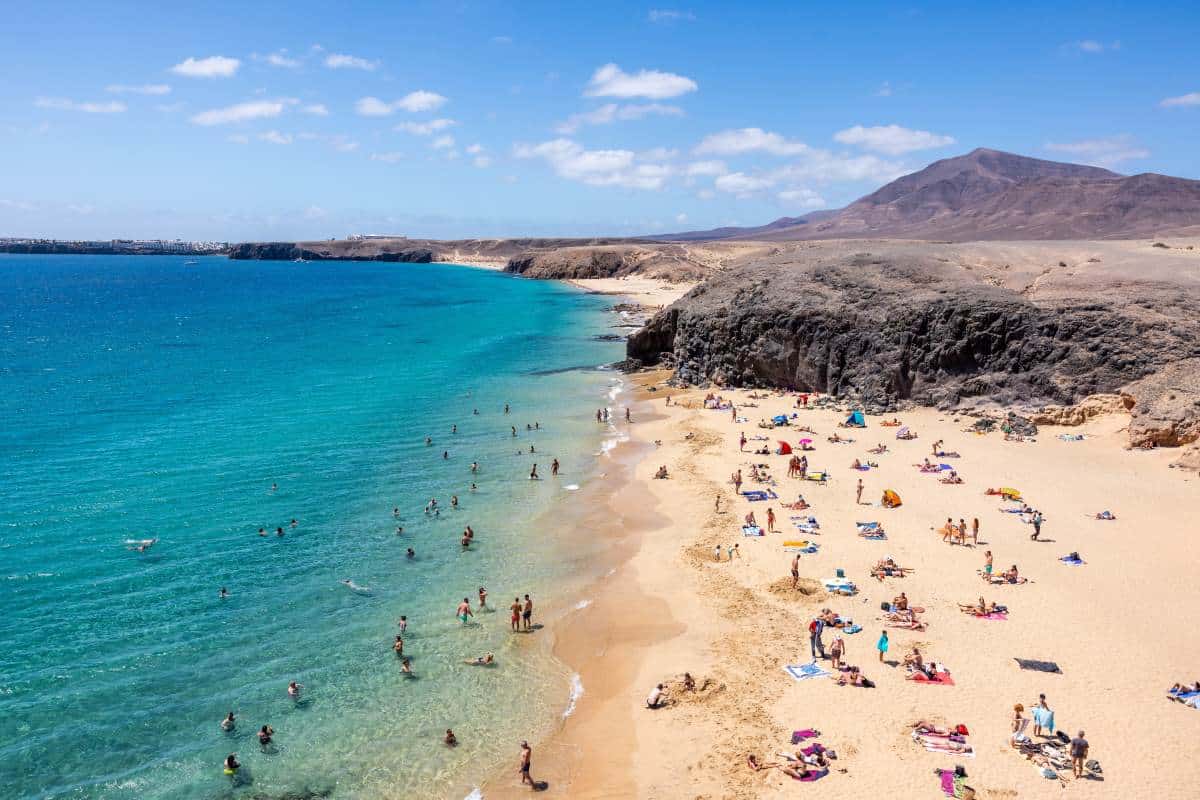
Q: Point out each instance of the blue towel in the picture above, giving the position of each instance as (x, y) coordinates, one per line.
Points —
(855, 628)
(1044, 718)
(805, 671)
(1074, 562)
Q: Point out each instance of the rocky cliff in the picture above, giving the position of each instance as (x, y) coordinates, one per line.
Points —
(331, 251)
(935, 324)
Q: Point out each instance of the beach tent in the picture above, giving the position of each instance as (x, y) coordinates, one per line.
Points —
(780, 420)
(785, 449)
(900, 434)
(856, 420)
(891, 499)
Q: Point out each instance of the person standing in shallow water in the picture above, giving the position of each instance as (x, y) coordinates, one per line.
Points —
(554, 467)
(527, 612)
(515, 608)
(526, 760)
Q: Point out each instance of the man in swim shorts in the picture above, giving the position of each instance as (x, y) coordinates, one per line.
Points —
(527, 612)
(464, 611)
(515, 608)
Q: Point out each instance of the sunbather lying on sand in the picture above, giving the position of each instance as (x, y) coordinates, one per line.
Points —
(661, 473)
(835, 439)
(924, 726)
(947, 454)
(980, 608)
(948, 746)
(951, 478)
(878, 449)
(853, 677)
(1106, 515)
(799, 505)
(888, 568)
(892, 423)
(1182, 688)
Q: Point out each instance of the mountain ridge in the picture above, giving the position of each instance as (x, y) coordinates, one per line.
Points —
(991, 194)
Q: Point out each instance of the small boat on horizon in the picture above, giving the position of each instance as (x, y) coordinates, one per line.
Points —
(190, 262)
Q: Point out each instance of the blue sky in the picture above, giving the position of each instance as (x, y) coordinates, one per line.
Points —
(243, 120)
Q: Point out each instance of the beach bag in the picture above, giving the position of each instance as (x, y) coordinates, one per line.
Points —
(885, 606)
(967, 793)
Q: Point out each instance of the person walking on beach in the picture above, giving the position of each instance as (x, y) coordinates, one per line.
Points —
(795, 570)
(1079, 752)
(1037, 525)
(987, 566)
(737, 481)
(975, 531)
(464, 611)
(770, 520)
(858, 493)
(482, 598)
(526, 758)
(717, 505)
(882, 645)
(628, 418)
(533, 476)
(527, 612)
(815, 629)
(742, 441)
(515, 608)
(554, 467)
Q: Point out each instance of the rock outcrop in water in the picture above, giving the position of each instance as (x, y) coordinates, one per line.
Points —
(886, 322)
(314, 251)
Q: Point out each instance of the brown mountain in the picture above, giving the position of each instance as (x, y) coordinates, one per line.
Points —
(988, 194)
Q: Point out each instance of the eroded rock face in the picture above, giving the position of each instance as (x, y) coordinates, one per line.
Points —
(1166, 412)
(1084, 410)
(908, 323)
(311, 251)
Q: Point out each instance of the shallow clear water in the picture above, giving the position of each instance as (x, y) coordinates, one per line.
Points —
(142, 398)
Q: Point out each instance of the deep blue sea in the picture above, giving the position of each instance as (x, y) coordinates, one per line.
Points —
(143, 398)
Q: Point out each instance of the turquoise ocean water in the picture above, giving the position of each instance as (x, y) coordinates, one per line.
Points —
(143, 398)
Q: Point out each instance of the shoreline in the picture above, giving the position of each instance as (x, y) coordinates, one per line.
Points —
(669, 607)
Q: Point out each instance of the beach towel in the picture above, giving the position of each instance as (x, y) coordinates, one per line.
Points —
(1074, 562)
(852, 628)
(940, 678)
(866, 526)
(947, 779)
(994, 615)
(1044, 718)
(803, 672)
(813, 776)
(807, 733)
(819, 477)
(1072, 437)
(755, 494)
(752, 530)
(1037, 665)
(799, 520)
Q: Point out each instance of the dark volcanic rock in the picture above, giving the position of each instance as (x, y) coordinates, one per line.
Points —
(290, 251)
(905, 323)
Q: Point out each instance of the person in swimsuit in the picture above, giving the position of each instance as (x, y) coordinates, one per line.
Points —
(515, 608)
(464, 611)
(527, 612)
(526, 758)
(482, 597)
(987, 566)
(229, 723)
(481, 661)
(265, 734)
(795, 570)
(231, 764)
(293, 690)
(398, 646)
(403, 623)
(406, 666)
(450, 739)
(554, 467)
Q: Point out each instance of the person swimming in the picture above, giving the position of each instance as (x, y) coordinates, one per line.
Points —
(229, 724)
(140, 545)
(224, 593)
(354, 587)
(231, 764)
(410, 553)
(481, 661)
(293, 690)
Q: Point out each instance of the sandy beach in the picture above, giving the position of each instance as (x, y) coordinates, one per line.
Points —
(649, 292)
(1116, 626)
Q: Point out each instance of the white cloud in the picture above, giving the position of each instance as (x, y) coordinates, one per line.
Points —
(611, 112)
(373, 107)
(275, 137)
(1183, 100)
(822, 166)
(482, 161)
(281, 59)
(316, 109)
(1105, 152)
(681, 218)
(314, 212)
(211, 67)
(443, 143)
(241, 112)
(892, 140)
(748, 140)
(502, 40)
(425, 128)
(342, 143)
(417, 101)
(475, 149)
(706, 168)
(64, 104)
(148, 88)
(669, 15)
(743, 185)
(572, 161)
(611, 81)
(343, 61)
(706, 194)
(420, 100)
(804, 198)
(1093, 46)
(388, 158)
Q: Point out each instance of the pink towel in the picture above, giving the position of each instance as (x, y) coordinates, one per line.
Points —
(994, 615)
(948, 782)
(814, 776)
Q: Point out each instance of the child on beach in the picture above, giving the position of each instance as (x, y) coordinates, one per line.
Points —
(882, 644)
